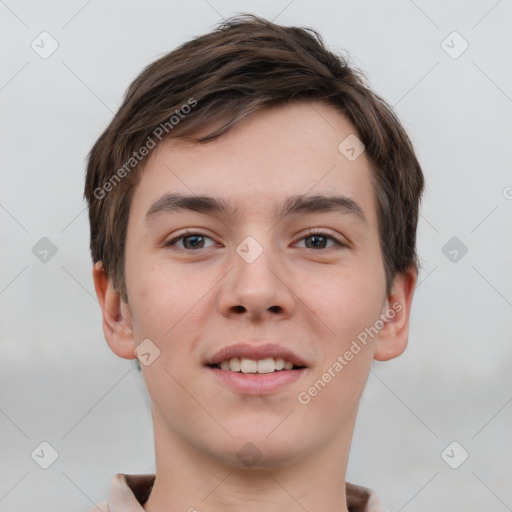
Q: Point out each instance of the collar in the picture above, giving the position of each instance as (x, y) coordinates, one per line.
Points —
(129, 492)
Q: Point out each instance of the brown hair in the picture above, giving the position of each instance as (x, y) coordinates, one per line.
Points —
(247, 64)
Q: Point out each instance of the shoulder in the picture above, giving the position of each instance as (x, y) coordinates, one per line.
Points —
(133, 490)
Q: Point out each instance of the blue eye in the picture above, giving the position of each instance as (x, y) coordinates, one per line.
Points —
(318, 239)
(194, 241)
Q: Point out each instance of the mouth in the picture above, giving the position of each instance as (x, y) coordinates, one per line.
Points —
(254, 358)
(256, 369)
(260, 366)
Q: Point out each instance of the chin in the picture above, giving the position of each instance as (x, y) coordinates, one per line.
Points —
(256, 449)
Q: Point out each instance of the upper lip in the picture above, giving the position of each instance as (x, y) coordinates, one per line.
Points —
(256, 352)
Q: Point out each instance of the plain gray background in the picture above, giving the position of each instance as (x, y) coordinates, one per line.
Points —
(61, 384)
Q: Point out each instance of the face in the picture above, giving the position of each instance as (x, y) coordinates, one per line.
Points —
(258, 282)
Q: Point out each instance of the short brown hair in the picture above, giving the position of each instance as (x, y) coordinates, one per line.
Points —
(245, 65)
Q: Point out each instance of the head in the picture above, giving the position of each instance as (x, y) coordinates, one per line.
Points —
(292, 142)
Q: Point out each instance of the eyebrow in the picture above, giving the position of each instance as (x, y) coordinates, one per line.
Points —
(175, 203)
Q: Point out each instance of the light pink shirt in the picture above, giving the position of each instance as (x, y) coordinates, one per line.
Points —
(127, 492)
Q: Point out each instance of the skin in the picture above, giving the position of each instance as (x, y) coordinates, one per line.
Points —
(312, 299)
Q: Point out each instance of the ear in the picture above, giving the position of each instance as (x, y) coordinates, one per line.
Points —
(392, 338)
(117, 321)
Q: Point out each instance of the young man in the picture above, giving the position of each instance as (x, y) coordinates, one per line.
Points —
(253, 210)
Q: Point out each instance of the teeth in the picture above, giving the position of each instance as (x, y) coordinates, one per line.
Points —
(244, 365)
(234, 364)
(279, 364)
(248, 365)
(266, 365)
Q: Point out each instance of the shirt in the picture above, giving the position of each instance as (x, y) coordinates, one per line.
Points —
(129, 492)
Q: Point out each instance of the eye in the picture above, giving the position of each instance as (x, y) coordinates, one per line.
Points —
(194, 241)
(190, 241)
(319, 239)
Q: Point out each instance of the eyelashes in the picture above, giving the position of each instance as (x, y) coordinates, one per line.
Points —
(325, 236)
(183, 237)
(312, 234)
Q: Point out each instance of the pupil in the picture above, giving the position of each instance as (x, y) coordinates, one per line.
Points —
(193, 237)
(313, 237)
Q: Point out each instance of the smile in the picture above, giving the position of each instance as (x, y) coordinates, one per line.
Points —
(266, 365)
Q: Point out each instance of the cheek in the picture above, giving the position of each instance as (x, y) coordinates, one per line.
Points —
(168, 307)
(152, 302)
(354, 306)
(345, 303)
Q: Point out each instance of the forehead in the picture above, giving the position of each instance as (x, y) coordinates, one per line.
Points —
(259, 164)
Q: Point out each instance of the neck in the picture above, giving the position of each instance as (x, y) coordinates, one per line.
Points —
(188, 479)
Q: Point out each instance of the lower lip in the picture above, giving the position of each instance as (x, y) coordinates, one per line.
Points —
(257, 383)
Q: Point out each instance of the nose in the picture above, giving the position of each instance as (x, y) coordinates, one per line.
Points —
(259, 288)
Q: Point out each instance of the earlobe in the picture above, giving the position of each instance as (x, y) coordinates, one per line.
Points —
(117, 322)
(393, 337)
